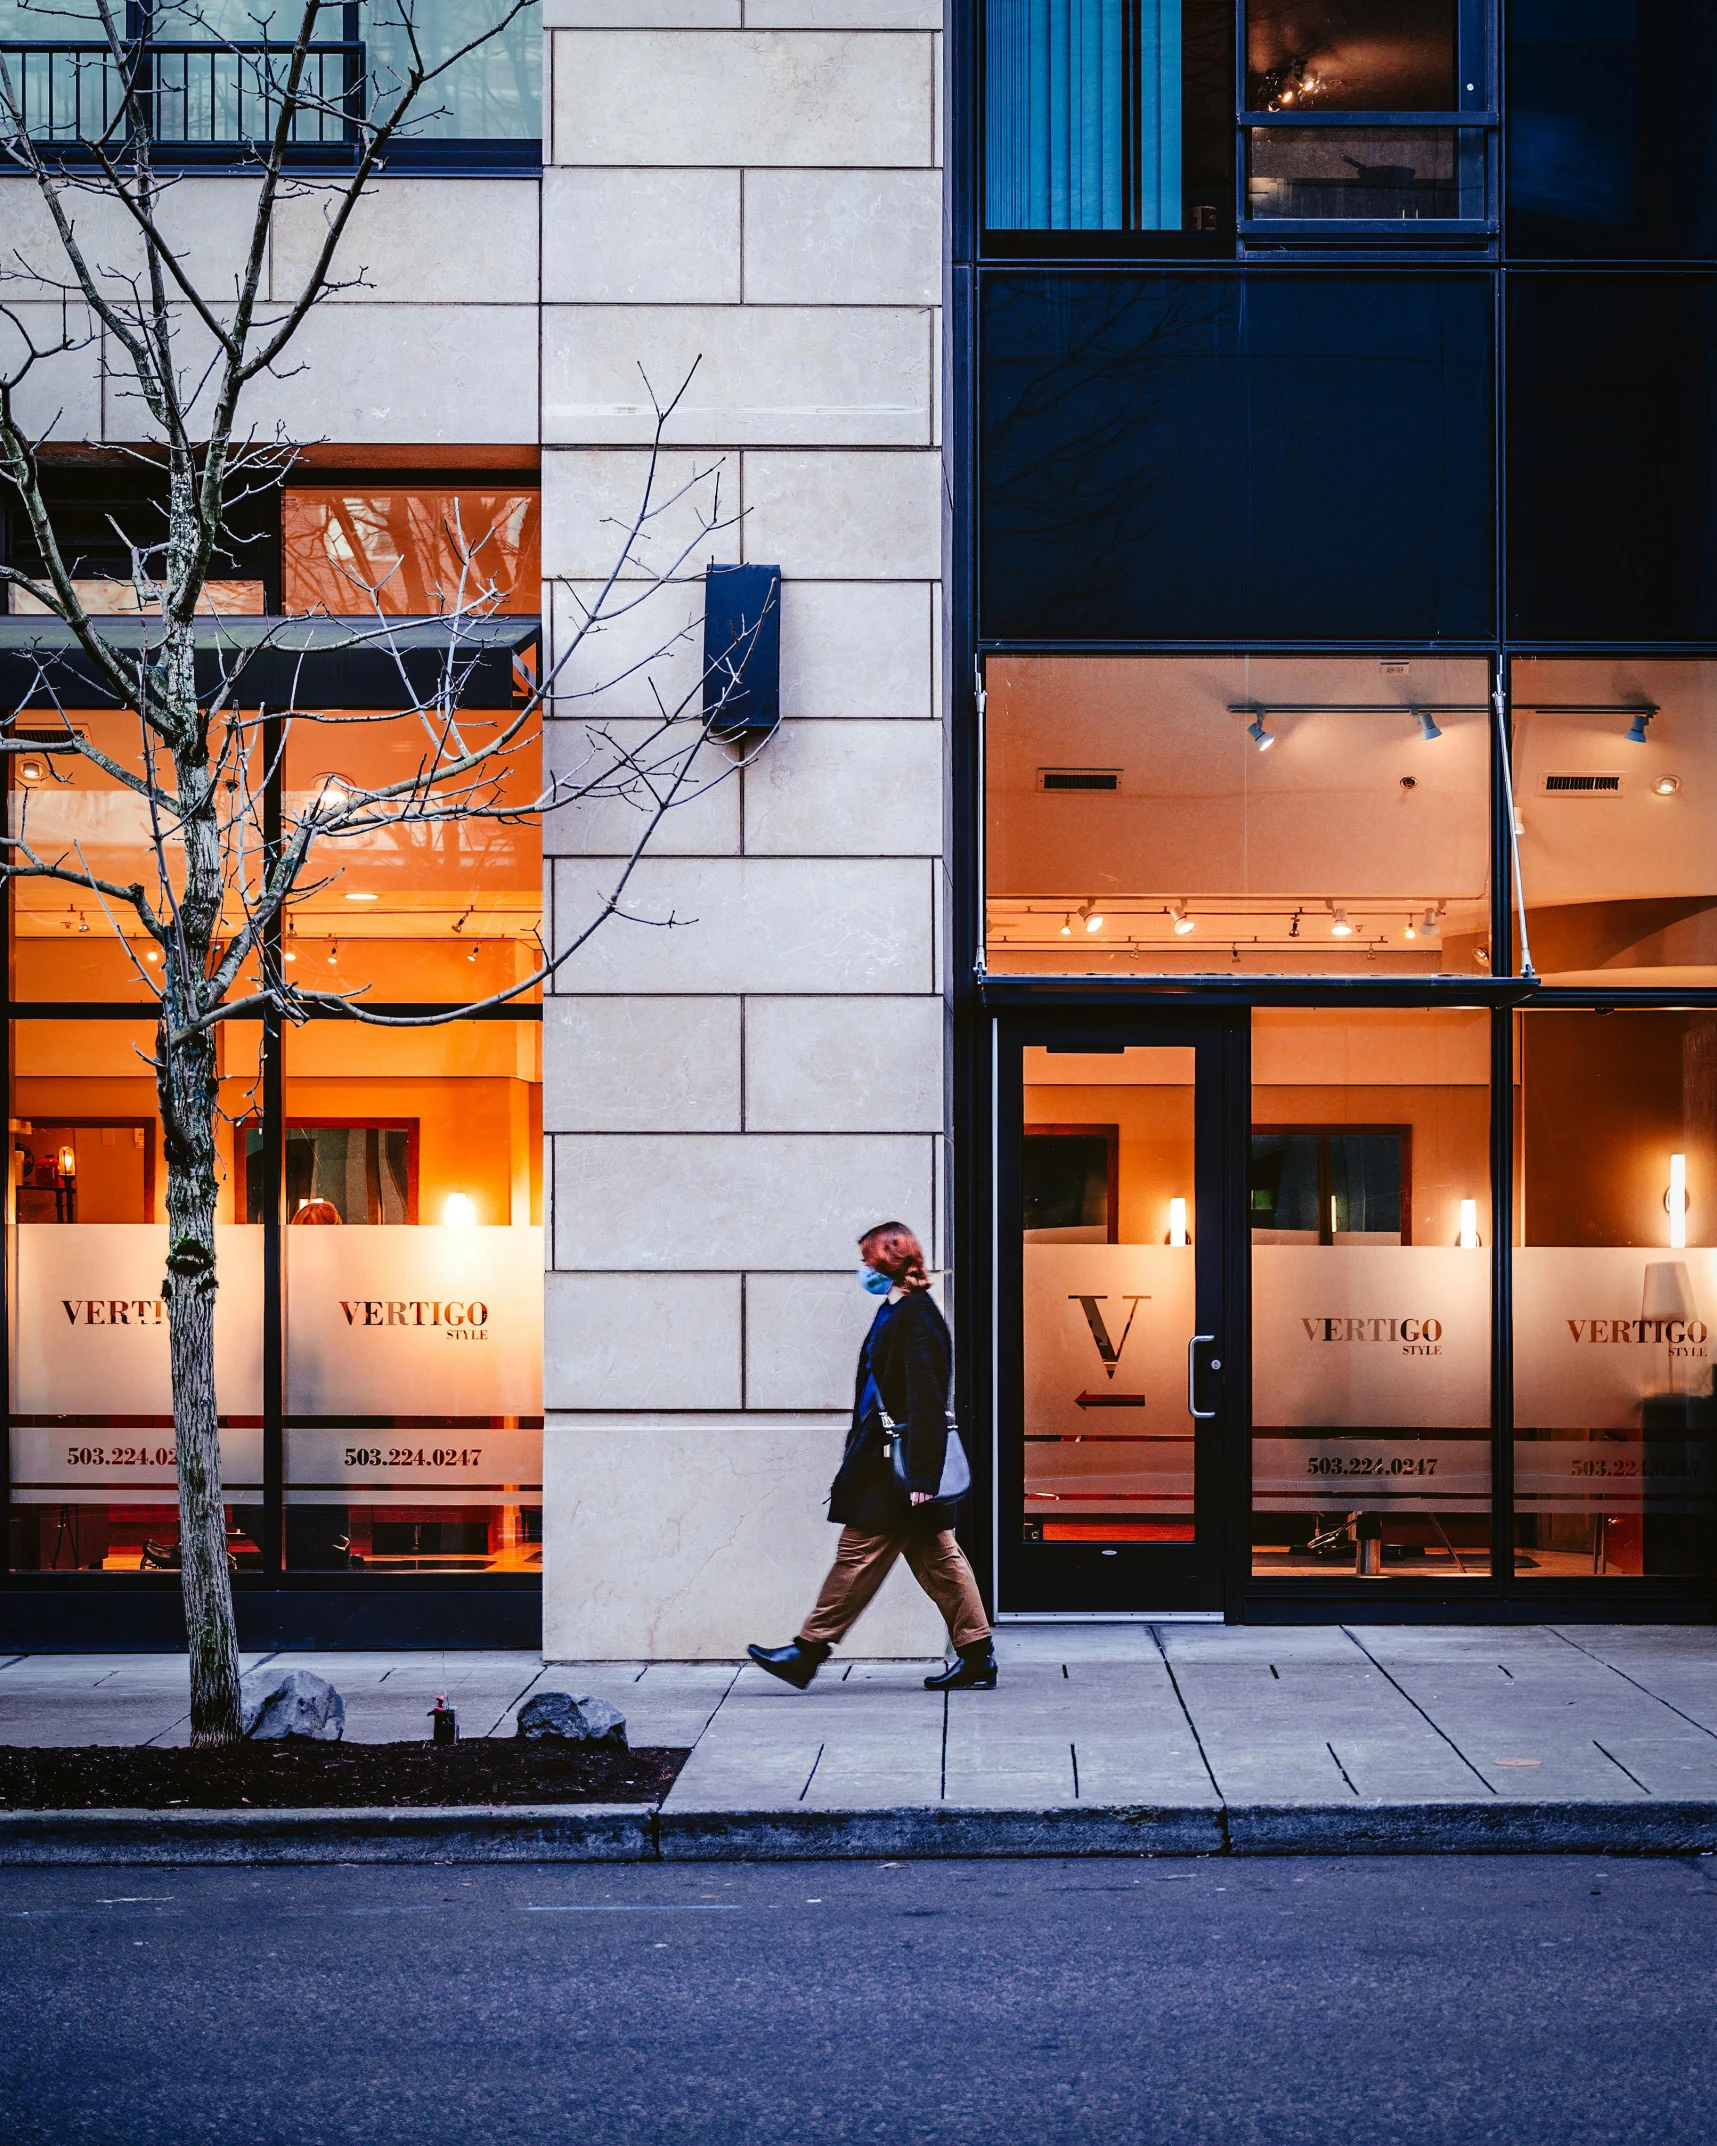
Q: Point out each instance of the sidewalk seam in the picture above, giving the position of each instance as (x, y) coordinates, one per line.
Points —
(1180, 1699)
(1420, 1711)
(1646, 1689)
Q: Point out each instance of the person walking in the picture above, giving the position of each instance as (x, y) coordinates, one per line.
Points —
(905, 1370)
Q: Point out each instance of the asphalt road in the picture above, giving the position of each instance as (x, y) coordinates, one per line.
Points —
(1516, 1999)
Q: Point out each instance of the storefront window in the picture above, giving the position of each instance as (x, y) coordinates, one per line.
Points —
(1615, 773)
(1615, 1286)
(1237, 814)
(415, 552)
(1368, 1197)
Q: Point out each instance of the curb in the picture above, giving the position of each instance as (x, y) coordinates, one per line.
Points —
(639, 1833)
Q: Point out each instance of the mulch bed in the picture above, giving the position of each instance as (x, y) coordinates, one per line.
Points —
(290, 1775)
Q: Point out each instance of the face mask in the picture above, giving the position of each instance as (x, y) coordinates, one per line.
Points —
(878, 1284)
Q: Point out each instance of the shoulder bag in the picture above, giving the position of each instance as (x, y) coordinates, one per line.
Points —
(956, 1469)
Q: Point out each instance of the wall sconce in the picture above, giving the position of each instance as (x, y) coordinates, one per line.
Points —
(1092, 915)
(1427, 728)
(1177, 1222)
(1260, 737)
(1675, 1200)
(1468, 1240)
(1182, 922)
(68, 1163)
(1636, 729)
(1340, 928)
(458, 1213)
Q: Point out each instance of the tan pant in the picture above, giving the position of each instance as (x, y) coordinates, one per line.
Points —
(863, 1562)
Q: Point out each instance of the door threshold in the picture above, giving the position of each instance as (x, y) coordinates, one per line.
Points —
(1108, 1616)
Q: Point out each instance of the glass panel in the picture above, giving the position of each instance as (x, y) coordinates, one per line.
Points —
(1351, 56)
(493, 94)
(1231, 813)
(1182, 458)
(414, 1297)
(417, 910)
(1615, 1288)
(1370, 1208)
(1364, 172)
(1615, 766)
(1612, 483)
(1110, 1297)
(91, 1424)
(1611, 128)
(415, 553)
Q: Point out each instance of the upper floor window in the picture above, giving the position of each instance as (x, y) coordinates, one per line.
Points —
(1336, 118)
(212, 74)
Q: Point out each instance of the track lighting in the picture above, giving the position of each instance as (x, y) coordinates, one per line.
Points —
(1260, 737)
(1092, 916)
(1341, 928)
(1636, 729)
(1412, 931)
(1429, 927)
(1182, 922)
(333, 953)
(1067, 927)
(1427, 728)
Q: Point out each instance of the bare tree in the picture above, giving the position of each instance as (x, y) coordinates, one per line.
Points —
(204, 930)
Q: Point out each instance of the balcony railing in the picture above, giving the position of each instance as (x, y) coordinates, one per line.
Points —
(198, 95)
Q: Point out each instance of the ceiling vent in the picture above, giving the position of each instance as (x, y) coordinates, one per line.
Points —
(1582, 786)
(1079, 778)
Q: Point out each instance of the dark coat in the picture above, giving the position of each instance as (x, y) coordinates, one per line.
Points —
(912, 1361)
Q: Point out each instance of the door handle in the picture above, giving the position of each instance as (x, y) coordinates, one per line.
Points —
(1204, 1415)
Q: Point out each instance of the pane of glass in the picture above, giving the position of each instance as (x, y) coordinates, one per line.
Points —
(1189, 457)
(1364, 172)
(414, 1297)
(493, 94)
(1612, 503)
(1370, 1208)
(1110, 1296)
(1108, 115)
(1614, 766)
(91, 1405)
(1231, 813)
(1351, 55)
(416, 553)
(1611, 129)
(1615, 1287)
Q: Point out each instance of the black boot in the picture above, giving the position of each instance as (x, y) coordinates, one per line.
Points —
(795, 1664)
(974, 1671)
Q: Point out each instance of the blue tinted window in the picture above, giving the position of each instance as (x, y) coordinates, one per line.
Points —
(1612, 477)
(1211, 457)
(1612, 128)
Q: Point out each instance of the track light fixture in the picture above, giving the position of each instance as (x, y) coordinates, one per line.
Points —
(1067, 927)
(1427, 727)
(1182, 922)
(1091, 916)
(1340, 928)
(1636, 729)
(1260, 737)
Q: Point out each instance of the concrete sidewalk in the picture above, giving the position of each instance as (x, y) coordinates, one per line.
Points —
(1196, 1735)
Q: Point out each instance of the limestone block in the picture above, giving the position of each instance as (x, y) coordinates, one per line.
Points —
(688, 1541)
(623, 650)
(847, 789)
(842, 516)
(611, 820)
(800, 97)
(641, 1341)
(641, 1065)
(703, 1202)
(751, 924)
(641, 14)
(375, 374)
(854, 648)
(60, 397)
(838, 375)
(802, 1338)
(417, 242)
(594, 501)
(857, 1064)
(640, 237)
(843, 238)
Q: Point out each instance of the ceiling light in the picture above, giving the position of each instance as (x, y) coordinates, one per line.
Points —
(476, 947)
(1429, 926)
(290, 955)
(1636, 729)
(32, 771)
(1182, 922)
(333, 952)
(1412, 931)
(1341, 928)
(362, 897)
(1260, 737)
(1067, 927)
(1667, 785)
(1092, 915)
(152, 953)
(1427, 728)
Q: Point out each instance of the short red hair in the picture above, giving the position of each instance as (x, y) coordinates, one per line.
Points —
(893, 1247)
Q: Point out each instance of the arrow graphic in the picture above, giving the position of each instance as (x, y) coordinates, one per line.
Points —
(1109, 1400)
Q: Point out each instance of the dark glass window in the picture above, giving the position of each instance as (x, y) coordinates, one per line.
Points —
(1189, 458)
(1612, 457)
(1328, 1185)
(1351, 55)
(1612, 129)
(1070, 1184)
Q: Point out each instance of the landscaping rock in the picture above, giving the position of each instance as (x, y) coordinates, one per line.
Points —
(291, 1702)
(580, 1721)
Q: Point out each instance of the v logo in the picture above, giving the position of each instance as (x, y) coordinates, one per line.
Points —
(1109, 1351)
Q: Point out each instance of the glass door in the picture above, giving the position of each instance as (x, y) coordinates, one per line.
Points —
(1111, 1348)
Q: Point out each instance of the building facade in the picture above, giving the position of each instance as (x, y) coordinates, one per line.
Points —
(1233, 869)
